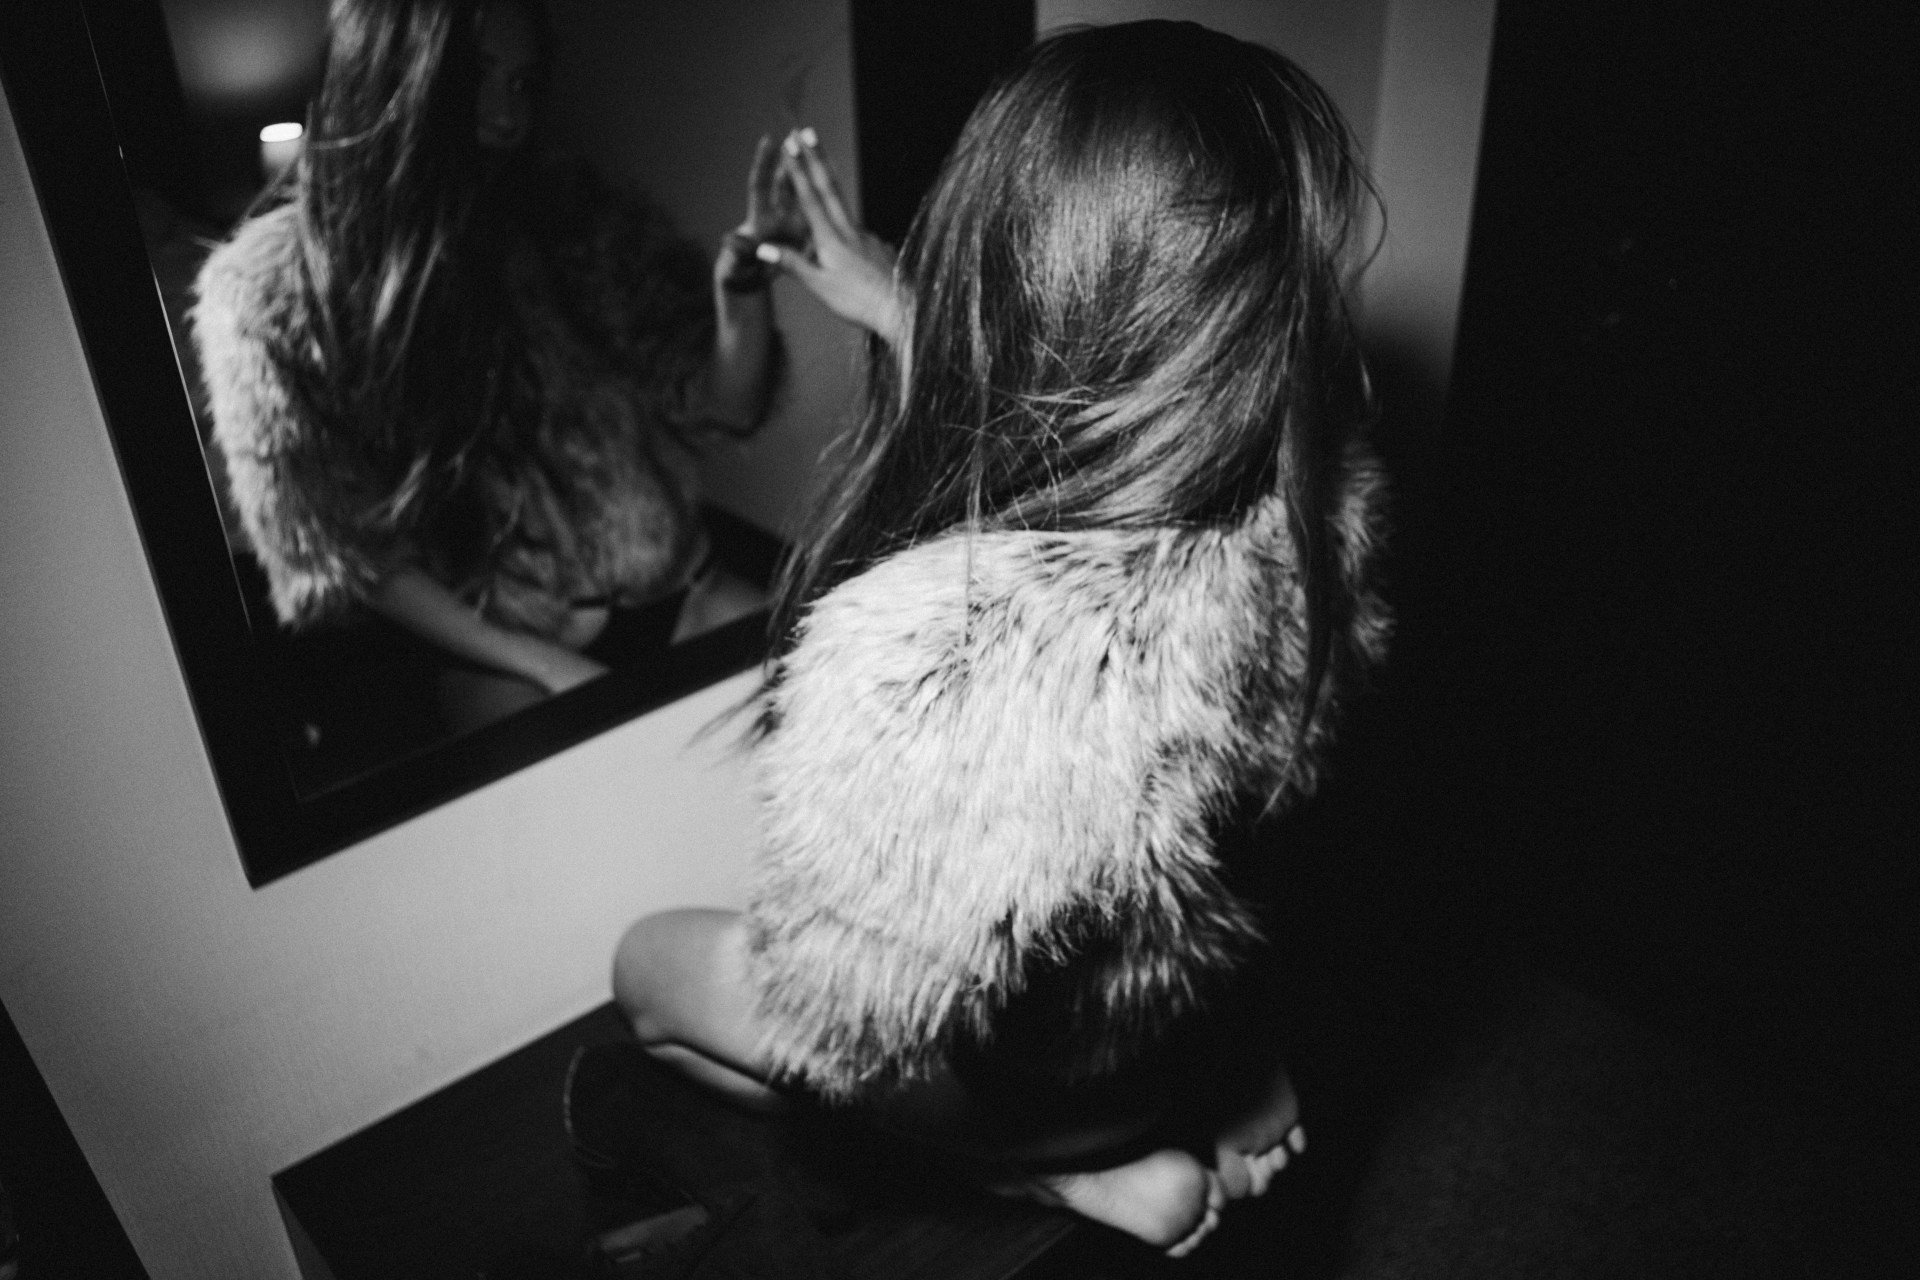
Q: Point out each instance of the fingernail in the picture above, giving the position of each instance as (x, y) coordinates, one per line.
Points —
(808, 136)
(792, 145)
(767, 253)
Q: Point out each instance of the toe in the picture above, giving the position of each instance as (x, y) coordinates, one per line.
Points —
(1235, 1173)
(1192, 1240)
(1260, 1171)
(1297, 1139)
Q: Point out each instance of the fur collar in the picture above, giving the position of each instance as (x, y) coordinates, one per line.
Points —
(997, 754)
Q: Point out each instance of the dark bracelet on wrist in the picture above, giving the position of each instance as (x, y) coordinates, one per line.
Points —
(748, 274)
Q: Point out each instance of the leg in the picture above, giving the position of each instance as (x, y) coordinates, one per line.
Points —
(716, 599)
(681, 979)
(1166, 1198)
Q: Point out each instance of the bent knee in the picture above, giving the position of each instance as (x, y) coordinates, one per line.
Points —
(665, 960)
(638, 968)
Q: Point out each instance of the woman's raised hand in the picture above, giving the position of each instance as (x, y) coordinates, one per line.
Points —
(848, 269)
(772, 217)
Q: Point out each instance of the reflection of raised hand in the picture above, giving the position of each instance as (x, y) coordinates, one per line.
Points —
(740, 373)
(772, 213)
(772, 216)
(848, 269)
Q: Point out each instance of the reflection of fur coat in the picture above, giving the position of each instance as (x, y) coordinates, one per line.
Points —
(580, 485)
(1006, 755)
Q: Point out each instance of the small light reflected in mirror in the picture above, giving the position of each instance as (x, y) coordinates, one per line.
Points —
(279, 147)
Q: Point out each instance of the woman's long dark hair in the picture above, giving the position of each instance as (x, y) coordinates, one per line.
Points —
(1129, 309)
(398, 298)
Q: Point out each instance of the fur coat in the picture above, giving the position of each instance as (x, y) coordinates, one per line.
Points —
(1001, 761)
(580, 486)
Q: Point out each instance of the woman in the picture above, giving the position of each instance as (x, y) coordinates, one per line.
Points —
(1071, 623)
(462, 390)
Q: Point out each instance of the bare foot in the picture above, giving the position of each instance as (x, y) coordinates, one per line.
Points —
(1256, 1145)
(1167, 1198)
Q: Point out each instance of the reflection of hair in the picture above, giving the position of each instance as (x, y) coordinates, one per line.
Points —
(1129, 309)
(399, 290)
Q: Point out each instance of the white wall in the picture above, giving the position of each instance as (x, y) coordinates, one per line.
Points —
(1410, 76)
(668, 97)
(1425, 151)
(200, 1035)
(1337, 42)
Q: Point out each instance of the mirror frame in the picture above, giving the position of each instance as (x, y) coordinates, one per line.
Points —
(61, 110)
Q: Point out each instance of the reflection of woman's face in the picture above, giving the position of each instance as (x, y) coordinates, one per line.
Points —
(509, 75)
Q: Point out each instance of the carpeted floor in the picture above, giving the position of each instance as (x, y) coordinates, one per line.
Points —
(1558, 1139)
(1499, 1123)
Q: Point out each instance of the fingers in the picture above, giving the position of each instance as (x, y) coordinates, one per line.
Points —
(804, 147)
(781, 258)
(848, 270)
(814, 184)
(761, 179)
(1235, 1173)
(812, 208)
(771, 214)
(1209, 1221)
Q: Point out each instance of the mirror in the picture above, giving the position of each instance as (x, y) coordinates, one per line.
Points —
(583, 491)
(142, 126)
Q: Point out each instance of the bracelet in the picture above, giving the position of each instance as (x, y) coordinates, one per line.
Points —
(748, 274)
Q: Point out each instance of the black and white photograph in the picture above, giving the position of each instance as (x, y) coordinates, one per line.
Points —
(1045, 639)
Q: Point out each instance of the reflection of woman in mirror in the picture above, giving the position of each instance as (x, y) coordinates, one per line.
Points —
(1068, 629)
(464, 390)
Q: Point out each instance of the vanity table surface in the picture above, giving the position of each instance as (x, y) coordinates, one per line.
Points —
(477, 1181)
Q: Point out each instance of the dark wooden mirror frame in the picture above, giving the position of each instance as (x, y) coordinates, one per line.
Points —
(906, 119)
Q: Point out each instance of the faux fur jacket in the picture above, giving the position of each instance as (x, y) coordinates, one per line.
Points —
(1003, 760)
(580, 486)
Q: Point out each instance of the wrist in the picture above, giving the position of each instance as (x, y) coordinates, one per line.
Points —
(740, 269)
(889, 320)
